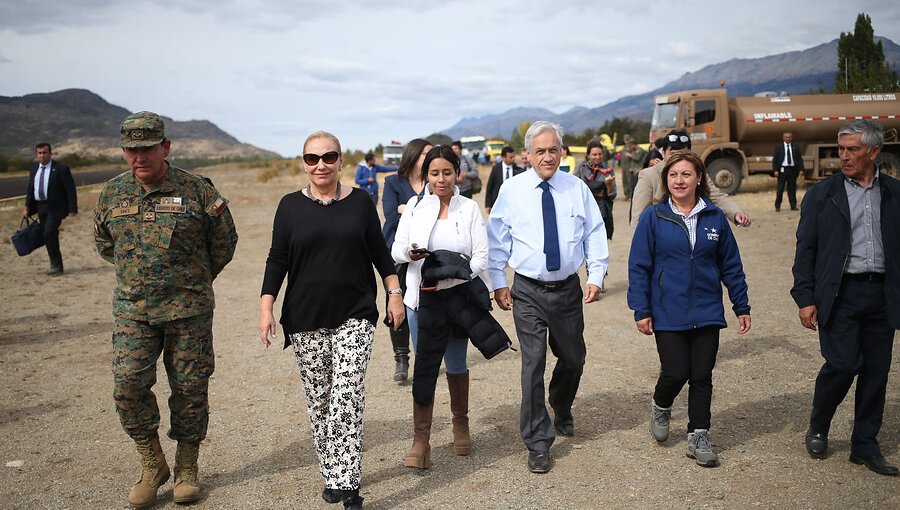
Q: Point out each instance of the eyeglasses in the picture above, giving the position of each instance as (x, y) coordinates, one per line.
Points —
(313, 159)
(678, 138)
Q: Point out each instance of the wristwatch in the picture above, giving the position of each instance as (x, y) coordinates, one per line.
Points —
(395, 292)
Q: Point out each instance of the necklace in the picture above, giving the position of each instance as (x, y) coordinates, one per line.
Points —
(337, 195)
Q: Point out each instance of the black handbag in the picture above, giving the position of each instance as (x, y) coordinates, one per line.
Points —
(29, 237)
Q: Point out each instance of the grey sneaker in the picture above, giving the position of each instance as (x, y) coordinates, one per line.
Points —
(698, 448)
(659, 421)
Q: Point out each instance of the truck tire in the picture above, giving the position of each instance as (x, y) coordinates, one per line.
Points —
(726, 175)
(889, 164)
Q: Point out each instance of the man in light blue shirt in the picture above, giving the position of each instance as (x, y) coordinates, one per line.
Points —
(545, 224)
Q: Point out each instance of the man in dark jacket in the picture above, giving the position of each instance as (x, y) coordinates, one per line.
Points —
(502, 171)
(847, 284)
(787, 164)
(51, 194)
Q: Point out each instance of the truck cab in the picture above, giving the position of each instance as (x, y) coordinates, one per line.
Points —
(705, 115)
(392, 153)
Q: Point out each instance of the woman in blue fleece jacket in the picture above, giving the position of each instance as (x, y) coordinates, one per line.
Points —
(681, 253)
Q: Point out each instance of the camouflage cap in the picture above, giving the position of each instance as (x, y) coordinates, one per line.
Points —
(142, 129)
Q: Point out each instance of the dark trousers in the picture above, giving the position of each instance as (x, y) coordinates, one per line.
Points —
(435, 327)
(51, 221)
(687, 356)
(856, 342)
(538, 311)
(788, 179)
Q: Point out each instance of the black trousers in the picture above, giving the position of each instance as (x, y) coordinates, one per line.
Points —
(788, 179)
(856, 342)
(435, 326)
(51, 220)
(538, 311)
(687, 356)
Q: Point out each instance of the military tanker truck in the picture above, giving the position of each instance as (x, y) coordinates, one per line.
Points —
(736, 136)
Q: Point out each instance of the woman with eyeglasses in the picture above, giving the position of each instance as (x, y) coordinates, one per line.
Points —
(441, 219)
(682, 252)
(325, 239)
(601, 180)
(398, 189)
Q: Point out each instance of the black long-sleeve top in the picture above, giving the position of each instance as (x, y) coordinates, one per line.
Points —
(327, 253)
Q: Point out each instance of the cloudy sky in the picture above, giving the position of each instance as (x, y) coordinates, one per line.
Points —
(271, 71)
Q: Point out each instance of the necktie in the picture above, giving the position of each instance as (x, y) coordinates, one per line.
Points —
(506, 173)
(790, 158)
(551, 235)
(42, 195)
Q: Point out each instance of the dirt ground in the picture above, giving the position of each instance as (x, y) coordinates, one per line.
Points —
(63, 448)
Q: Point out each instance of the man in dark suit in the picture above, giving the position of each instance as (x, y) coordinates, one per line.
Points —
(500, 172)
(51, 194)
(787, 164)
(847, 283)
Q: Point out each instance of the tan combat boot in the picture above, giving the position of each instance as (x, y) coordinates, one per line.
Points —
(459, 406)
(154, 473)
(187, 482)
(419, 456)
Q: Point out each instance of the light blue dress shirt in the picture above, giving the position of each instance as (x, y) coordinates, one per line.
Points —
(516, 230)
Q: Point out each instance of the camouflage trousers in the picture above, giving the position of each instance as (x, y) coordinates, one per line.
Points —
(187, 349)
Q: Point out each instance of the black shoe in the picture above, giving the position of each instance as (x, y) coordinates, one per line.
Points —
(794, 208)
(401, 371)
(539, 461)
(875, 463)
(331, 495)
(816, 444)
(564, 428)
(55, 271)
(777, 209)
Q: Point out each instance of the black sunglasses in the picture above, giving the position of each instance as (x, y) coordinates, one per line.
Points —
(677, 138)
(313, 159)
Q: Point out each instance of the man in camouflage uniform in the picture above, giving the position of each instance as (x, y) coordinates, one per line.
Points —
(169, 233)
(632, 158)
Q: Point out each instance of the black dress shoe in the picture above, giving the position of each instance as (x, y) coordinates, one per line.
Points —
(875, 463)
(793, 208)
(539, 461)
(55, 271)
(331, 495)
(816, 444)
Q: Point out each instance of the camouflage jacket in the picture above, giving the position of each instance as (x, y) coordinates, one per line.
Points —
(168, 244)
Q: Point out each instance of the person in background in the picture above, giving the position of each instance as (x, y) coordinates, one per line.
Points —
(51, 195)
(632, 158)
(655, 154)
(500, 173)
(601, 180)
(787, 164)
(367, 175)
(169, 233)
(546, 246)
(847, 285)
(648, 189)
(526, 162)
(324, 237)
(440, 219)
(566, 161)
(398, 189)
(467, 170)
(682, 252)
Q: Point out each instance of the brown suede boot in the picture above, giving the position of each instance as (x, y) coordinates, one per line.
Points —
(154, 473)
(459, 406)
(419, 456)
(187, 482)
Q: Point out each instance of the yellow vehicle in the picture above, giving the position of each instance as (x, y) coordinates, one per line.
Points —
(494, 148)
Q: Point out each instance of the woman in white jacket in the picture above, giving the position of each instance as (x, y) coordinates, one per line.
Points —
(439, 219)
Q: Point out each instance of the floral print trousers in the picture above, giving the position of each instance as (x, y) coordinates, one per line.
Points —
(333, 369)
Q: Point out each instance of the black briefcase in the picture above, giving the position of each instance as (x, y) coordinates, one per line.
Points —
(29, 237)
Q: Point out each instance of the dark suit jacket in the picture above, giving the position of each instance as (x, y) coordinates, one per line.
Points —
(823, 245)
(778, 158)
(494, 181)
(61, 196)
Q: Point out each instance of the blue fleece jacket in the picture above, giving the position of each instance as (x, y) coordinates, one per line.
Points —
(680, 288)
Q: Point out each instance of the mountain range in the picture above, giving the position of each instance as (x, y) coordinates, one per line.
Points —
(77, 121)
(795, 72)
